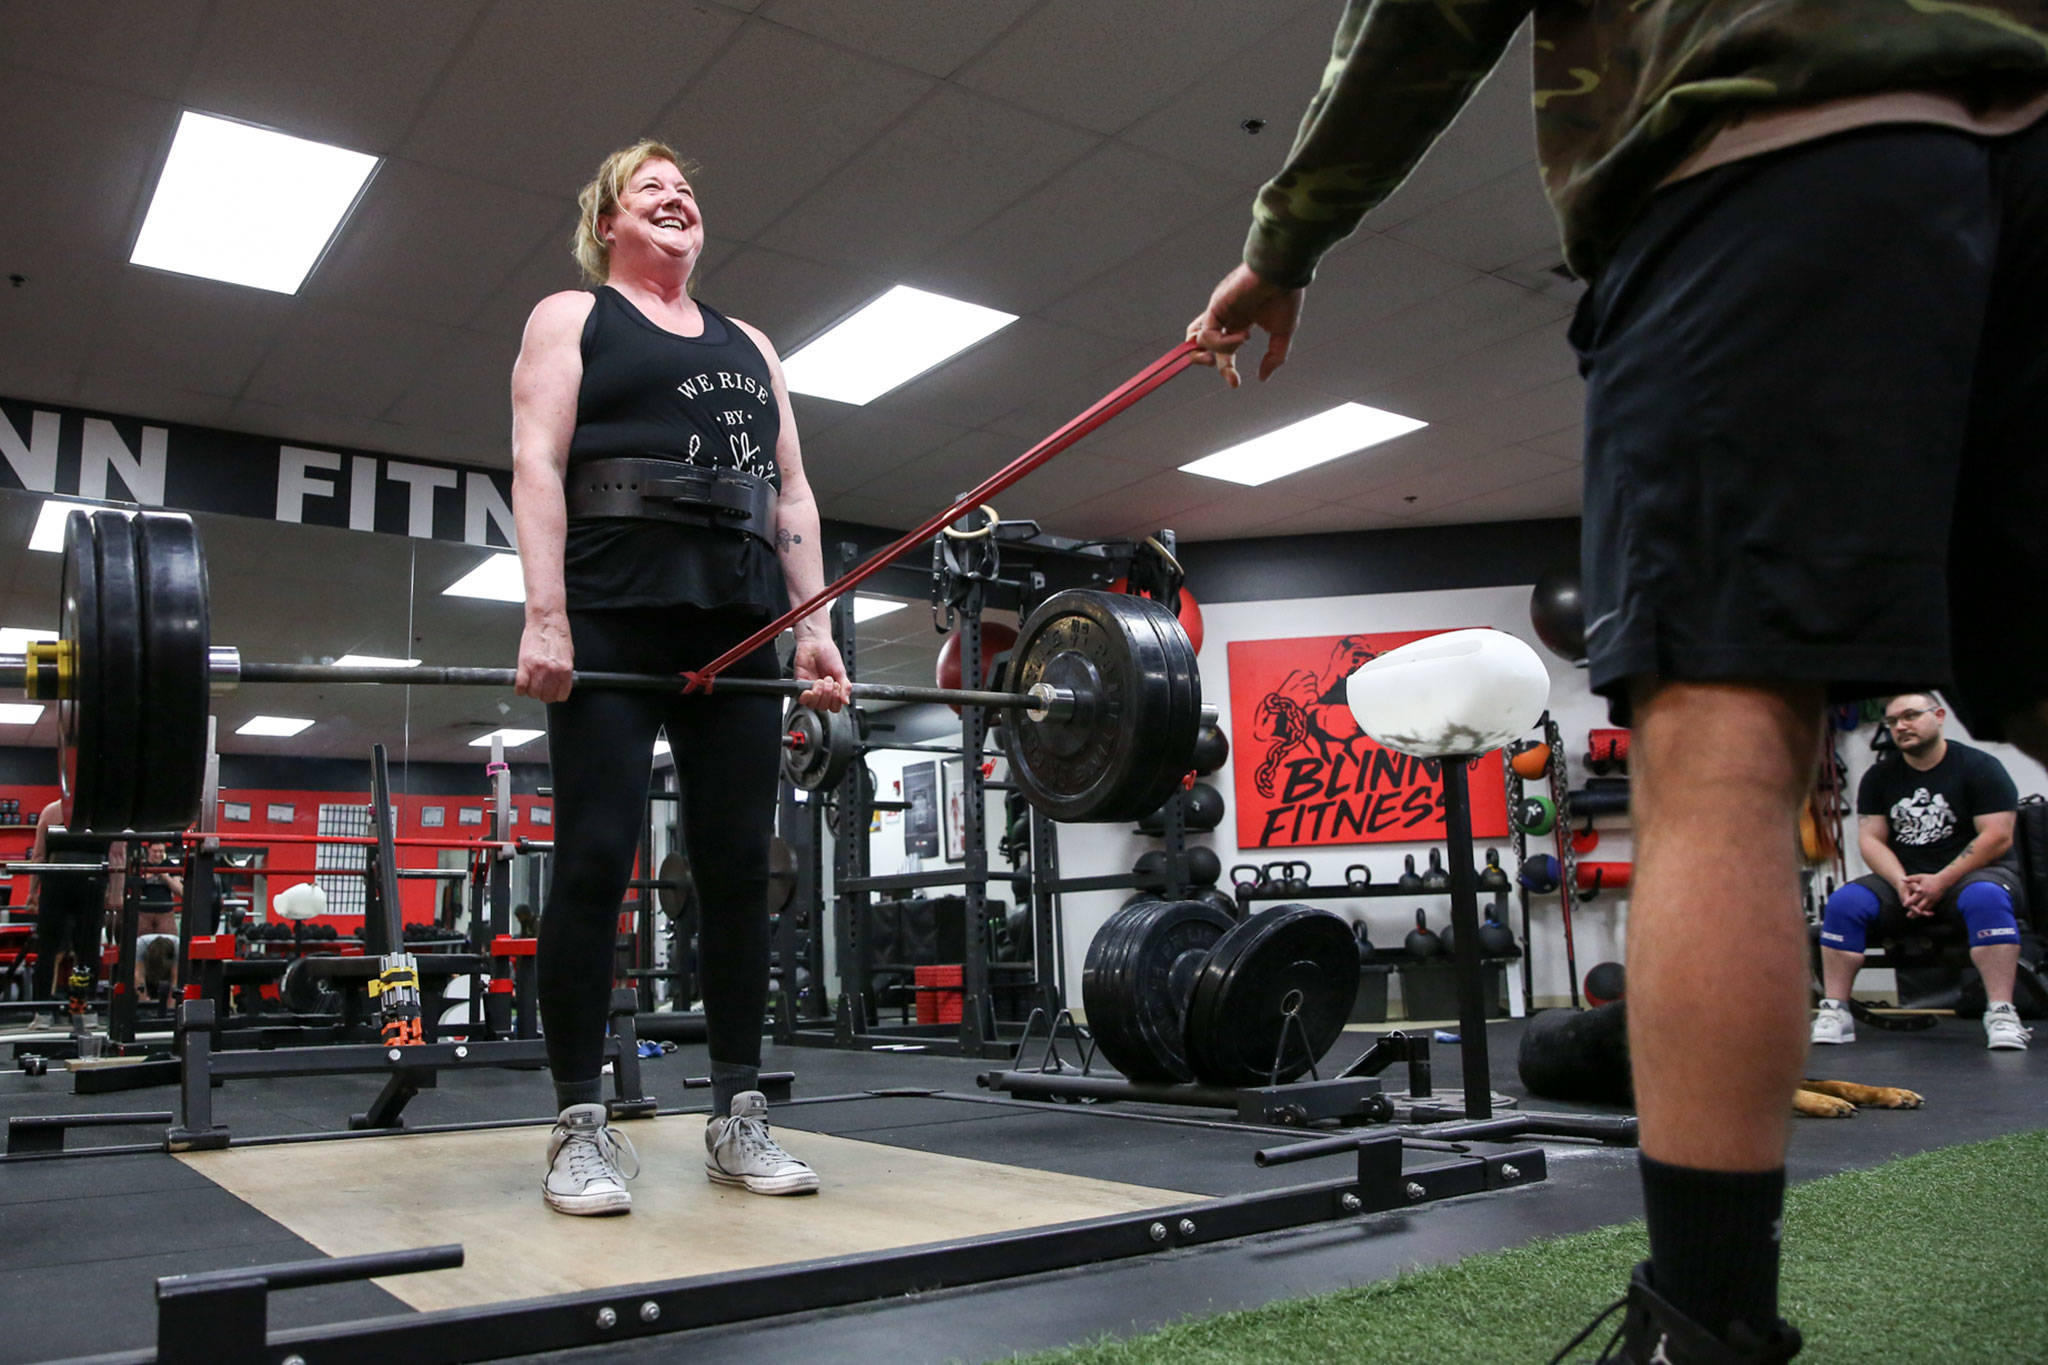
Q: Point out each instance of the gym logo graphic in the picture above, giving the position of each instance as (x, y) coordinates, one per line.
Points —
(1923, 818)
(1306, 774)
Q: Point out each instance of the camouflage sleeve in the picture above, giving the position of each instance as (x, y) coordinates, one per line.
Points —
(1399, 71)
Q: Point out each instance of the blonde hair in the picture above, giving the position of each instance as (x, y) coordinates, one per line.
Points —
(601, 196)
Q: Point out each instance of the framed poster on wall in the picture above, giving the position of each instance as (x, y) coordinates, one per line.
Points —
(1307, 775)
(921, 816)
(953, 802)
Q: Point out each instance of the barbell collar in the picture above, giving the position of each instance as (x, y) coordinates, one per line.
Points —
(223, 669)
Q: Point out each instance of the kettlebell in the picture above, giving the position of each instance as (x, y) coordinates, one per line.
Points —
(1244, 877)
(1447, 937)
(1273, 882)
(1421, 942)
(1436, 881)
(1541, 874)
(1495, 938)
(1493, 877)
(1365, 948)
(1297, 879)
(1409, 884)
(1358, 876)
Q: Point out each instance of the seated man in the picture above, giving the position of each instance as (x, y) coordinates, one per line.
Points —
(1935, 823)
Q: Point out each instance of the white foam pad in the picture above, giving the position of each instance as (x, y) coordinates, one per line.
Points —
(303, 901)
(1462, 692)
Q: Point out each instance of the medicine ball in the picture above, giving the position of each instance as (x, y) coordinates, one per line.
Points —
(1558, 612)
(1606, 984)
(996, 638)
(1212, 748)
(1204, 867)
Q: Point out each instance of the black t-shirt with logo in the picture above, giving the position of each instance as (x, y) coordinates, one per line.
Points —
(1933, 813)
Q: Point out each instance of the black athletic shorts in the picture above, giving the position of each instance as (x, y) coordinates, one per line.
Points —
(1817, 411)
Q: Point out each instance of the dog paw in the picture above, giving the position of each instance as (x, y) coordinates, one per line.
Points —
(1817, 1106)
(1891, 1097)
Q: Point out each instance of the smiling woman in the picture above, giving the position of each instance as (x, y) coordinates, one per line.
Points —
(663, 515)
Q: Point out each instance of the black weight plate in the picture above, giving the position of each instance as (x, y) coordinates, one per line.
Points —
(1120, 752)
(1290, 959)
(678, 887)
(78, 616)
(1176, 759)
(828, 745)
(781, 875)
(1141, 978)
(175, 640)
(119, 732)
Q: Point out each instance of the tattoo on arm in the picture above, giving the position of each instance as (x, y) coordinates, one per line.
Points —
(785, 539)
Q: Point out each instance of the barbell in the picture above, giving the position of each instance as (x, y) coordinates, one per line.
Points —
(1103, 709)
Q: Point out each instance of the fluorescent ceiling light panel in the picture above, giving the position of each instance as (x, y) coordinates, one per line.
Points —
(20, 712)
(215, 212)
(15, 640)
(867, 608)
(513, 738)
(497, 579)
(1302, 445)
(660, 747)
(273, 727)
(889, 343)
(373, 661)
(49, 533)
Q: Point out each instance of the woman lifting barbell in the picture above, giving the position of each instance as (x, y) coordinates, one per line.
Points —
(663, 515)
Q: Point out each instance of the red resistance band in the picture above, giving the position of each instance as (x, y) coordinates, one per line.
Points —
(1106, 407)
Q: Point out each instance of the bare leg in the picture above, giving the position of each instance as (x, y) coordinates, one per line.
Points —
(1998, 964)
(1718, 1038)
(1838, 972)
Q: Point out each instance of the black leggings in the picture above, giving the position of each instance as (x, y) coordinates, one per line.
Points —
(67, 920)
(727, 752)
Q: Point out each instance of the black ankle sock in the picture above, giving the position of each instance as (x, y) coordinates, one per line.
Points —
(1714, 1242)
(729, 1079)
(579, 1092)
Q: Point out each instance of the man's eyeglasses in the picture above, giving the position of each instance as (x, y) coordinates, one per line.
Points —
(1906, 717)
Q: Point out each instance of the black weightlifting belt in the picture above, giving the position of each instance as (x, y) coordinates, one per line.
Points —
(667, 490)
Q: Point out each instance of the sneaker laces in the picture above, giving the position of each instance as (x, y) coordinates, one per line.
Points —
(594, 1156)
(1607, 1351)
(752, 1137)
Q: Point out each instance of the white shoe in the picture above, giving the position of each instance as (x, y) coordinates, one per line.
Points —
(2003, 1031)
(739, 1151)
(584, 1175)
(1832, 1023)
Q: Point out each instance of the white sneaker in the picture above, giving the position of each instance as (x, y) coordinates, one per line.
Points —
(1832, 1023)
(584, 1175)
(2003, 1031)
(739, 1151)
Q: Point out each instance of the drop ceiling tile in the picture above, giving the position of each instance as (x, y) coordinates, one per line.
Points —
(146, 51)
(431, 246)
(1105, 66)
(1492, 135)
(1319, 519)
(302, 425)
(872, 511)
(352, 74)
(1059, 403)
(344, 364)
(1567, 444)
(1112, 203)
(760, 150)
(1071, 477)
(465, 389)
(1494, 388)
(151, 401)
(547, 269)
(1137, 509)
(78, 161)
(1403, 459)
(178, 332)
(55, 320)
(1548, 495)
(1213, 421)
(933, 39)
(1443, 484)
(1490, 226)
(1149, 297)
(1001, 374)
(885, 209)
(543, 92)
(1525, 417)
(1367, 361)
(788, 297)
(867, 445)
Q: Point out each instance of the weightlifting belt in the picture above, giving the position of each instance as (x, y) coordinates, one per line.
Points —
(656, 489)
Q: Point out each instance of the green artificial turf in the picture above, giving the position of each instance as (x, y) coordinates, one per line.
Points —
(1931, 1258)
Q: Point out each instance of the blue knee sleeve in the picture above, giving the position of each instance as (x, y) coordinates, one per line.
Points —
(1987, 913)
(1846, 921)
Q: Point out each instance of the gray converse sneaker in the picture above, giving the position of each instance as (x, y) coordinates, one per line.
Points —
(2003, 1031)
(739, 1151)
(1832, 1023)
(584, 1175)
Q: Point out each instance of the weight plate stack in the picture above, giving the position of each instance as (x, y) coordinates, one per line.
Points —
(78, 713)
(175, 639)
(1140, 971)
(1286, 961)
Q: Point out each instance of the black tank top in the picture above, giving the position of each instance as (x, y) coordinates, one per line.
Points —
(704, 401)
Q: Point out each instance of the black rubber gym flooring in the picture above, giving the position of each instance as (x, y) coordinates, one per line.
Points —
(83, 1241)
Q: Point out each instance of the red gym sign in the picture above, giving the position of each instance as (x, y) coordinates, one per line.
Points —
(1306, 774)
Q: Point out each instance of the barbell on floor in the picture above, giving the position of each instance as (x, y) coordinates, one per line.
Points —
(1103, 709)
